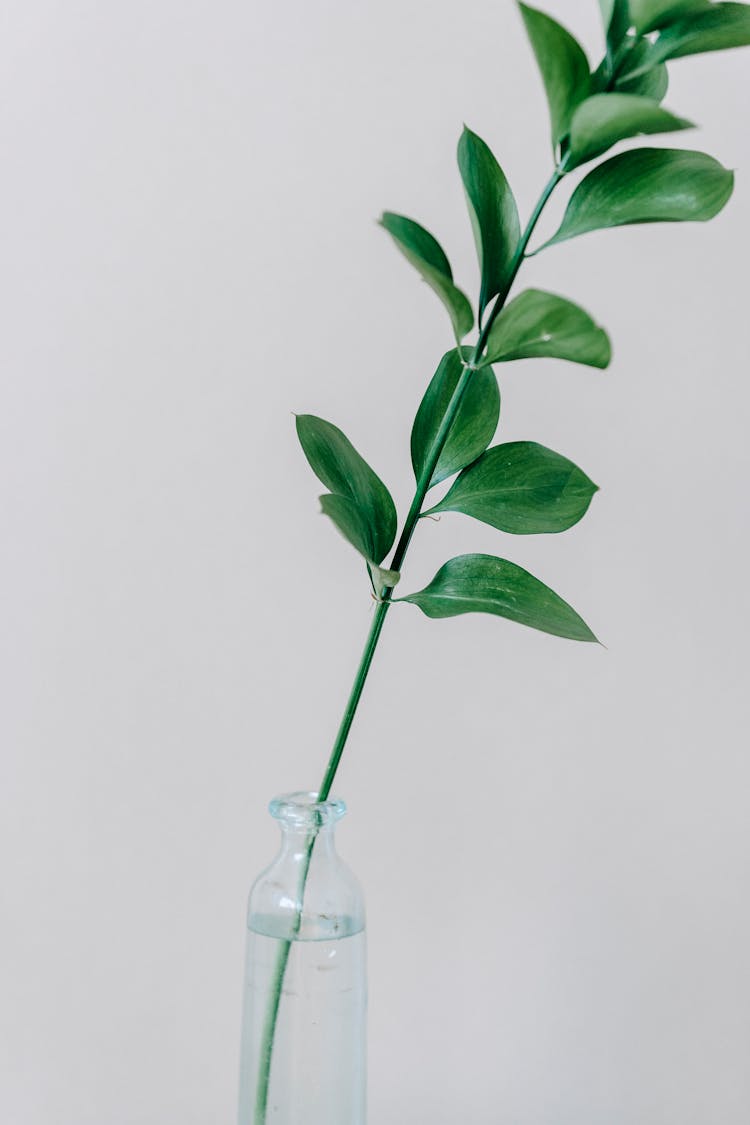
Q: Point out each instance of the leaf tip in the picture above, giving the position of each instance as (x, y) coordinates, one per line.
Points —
(467, 136)
(590, 637)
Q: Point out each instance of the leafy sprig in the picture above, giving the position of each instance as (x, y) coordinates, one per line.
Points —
(521, 487)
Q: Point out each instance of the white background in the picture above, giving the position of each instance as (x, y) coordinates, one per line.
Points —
(553, 838)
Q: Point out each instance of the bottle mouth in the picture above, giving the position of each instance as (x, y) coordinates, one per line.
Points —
(304, 810)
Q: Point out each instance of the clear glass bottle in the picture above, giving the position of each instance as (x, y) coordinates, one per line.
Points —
(305, 996)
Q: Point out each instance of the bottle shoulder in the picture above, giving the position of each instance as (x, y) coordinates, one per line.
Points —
(322, 903)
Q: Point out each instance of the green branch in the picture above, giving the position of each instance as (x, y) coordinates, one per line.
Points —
(381, 610)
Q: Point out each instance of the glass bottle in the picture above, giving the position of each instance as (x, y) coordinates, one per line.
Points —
(305, 996)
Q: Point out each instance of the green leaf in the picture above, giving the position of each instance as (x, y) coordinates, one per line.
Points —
(537, 324)
(650, 15)
(617, 27)
(563, 65)
(485, 584)
(523, 488)
(493, 214)
(717, 28)
(605, 119)
(616, 20)
(652, 82)
(360, 504)
(426, 255)
(647, 185)
(474, 425)
(350, 520)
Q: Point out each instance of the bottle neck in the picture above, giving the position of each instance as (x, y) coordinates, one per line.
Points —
(304, 820)
(296, 840)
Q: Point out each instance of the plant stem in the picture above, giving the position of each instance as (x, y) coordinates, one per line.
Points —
(381, 610)
(422, 488)
(354, 697)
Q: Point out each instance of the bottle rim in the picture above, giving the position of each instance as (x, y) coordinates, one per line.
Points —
(304, 809)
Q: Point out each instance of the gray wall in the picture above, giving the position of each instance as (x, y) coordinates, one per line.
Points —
(553, 838)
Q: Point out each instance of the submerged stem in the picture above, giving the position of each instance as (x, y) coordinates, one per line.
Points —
(277, 988)
(269, 1030)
